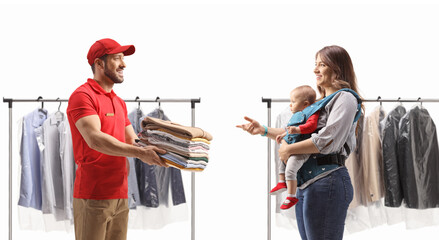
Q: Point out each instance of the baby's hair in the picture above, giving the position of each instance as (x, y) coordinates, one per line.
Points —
(307, 93)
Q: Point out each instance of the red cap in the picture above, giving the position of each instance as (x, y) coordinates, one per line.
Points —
(107, 46)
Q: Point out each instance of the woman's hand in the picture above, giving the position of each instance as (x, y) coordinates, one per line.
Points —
(253, 127)
(284, 153)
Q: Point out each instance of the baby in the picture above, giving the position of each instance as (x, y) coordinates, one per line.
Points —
(301, 97)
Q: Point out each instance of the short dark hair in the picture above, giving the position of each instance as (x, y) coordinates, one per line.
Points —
(103, 58)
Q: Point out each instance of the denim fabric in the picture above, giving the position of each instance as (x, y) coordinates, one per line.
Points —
(322, 207)
(147, 181)
(177, 188)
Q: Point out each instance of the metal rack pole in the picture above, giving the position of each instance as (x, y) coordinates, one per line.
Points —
(268, 101)
(193, 101)
(10, 166)
(193, 178)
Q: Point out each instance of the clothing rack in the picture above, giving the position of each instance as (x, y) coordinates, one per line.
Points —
(277, 100)
(193, 101)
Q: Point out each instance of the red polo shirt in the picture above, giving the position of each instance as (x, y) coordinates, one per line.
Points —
(99, 176)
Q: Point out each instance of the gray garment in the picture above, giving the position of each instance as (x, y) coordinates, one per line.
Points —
(392, 182)
(337, 125)
(68, 167)
(419, 153)
(153, 181)
(136, 117)
(52, 189)
(168, 177)
(133, 186)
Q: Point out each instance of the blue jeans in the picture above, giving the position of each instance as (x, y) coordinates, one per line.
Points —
(322, 207)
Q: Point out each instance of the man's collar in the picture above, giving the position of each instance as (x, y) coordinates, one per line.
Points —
(98, 89)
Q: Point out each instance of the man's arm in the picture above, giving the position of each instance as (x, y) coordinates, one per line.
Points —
(130, 134)
(90, 129)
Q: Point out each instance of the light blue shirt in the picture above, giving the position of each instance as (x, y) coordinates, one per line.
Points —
(30, 185)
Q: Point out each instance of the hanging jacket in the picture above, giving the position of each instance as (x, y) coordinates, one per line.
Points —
(419, 153)
(133, 186)
(372, 157)
(154, 181)
(318, 164)
(392, 182)
(52, 188)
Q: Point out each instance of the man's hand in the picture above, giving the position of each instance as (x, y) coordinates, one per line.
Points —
(149, 155)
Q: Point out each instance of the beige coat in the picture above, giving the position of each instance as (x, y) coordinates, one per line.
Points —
(371, 156)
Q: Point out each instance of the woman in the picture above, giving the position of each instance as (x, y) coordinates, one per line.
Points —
(324, 198)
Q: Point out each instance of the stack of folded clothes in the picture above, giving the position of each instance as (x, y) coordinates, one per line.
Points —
(187, 147)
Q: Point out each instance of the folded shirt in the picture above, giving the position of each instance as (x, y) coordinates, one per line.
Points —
(172, 164)
(181, 162)
(154, 141)
(150, 123)
(168, 137)
(174, 149)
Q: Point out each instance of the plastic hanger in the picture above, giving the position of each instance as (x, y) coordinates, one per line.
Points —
(160, 108)
(138, 102)
(42, 102)
(158, 100)
(42, 105)
(58, 114)
(59, 106)
(419, 100)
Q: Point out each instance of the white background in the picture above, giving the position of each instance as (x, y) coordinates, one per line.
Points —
(230, 54)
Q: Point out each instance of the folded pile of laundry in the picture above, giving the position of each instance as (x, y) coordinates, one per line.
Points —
(187, 147)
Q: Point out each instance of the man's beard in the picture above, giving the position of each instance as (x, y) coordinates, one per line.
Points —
(112, 75)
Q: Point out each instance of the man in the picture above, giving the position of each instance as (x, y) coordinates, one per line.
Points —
(102, 139)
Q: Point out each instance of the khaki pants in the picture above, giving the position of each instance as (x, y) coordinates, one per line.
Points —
(100, 219)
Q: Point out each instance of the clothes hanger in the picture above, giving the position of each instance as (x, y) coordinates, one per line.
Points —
(160, 108)
(138, 102)
(419, 100)
(378, 100)
(59, 106)
(58, 114)
(157, 100)
(42, 105)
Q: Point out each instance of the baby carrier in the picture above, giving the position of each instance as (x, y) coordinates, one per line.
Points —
(318, 163)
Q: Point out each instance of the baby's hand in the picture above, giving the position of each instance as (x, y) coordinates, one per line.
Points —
(293, 130)
(280, 137)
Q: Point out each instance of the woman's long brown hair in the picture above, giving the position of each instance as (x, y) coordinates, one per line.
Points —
(338, 59)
